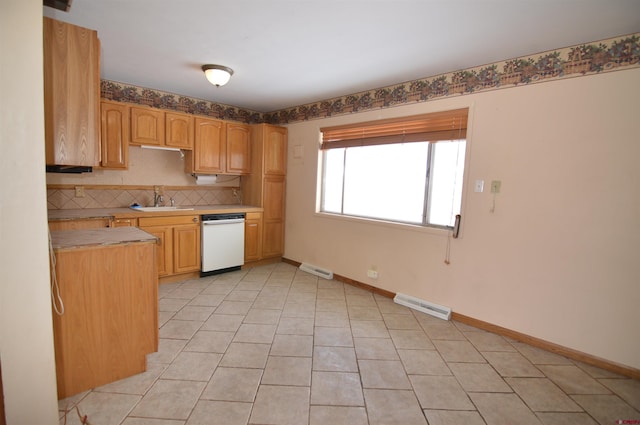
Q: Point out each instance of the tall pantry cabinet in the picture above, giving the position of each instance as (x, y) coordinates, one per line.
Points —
(266, 185)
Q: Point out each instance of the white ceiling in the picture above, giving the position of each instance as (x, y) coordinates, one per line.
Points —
(290, 52)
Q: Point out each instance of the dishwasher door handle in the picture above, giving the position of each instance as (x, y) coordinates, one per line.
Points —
(218, 222)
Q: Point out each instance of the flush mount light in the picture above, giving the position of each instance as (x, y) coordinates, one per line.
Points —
(217, 75)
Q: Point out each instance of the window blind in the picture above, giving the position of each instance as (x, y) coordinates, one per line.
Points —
(446, 125)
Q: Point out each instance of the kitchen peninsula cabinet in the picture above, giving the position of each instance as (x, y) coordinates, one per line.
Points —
(178, 242)
(71, 94)
(92, 223)
(108, 285)
(114, 135)
(266, 186)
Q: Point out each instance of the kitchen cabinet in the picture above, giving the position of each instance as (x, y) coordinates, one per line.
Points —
(219, 148)
(71, 94)
(147, 126)
(266, 186)
(209, 148)
(179, 130)
(110, 295)
(114, 135)
(156, 127)
(253, 237)
(178, 242)
(238, 148)
(90, 223)
(124, 222)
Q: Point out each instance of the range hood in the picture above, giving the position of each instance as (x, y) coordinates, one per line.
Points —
(70, 169)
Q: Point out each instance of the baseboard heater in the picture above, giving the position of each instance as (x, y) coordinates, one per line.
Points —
(315, 270)
(436, 310)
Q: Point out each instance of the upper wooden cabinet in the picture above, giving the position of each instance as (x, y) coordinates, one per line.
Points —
(179, 130)
(275, 150)
(209, 148)
(147, 126)
(71, 94)
(114, 135)
(219, 148)
(155, 127)
(238, 148)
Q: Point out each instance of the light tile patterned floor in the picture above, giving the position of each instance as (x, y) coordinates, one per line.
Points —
(273, 345)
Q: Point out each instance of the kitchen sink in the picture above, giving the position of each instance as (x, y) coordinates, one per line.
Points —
(159, 209)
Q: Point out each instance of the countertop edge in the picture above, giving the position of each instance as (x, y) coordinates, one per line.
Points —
(125, 212)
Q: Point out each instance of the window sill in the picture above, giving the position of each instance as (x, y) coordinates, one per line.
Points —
(407, 227)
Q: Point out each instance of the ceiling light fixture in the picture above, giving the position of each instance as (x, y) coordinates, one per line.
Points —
(217, 75)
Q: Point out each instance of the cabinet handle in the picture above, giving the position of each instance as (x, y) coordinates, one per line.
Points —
(252, 225)
(195, 219)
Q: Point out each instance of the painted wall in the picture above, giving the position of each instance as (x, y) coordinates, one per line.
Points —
(557, 259)
(26, 337)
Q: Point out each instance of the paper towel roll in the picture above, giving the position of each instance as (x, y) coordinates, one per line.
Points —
(206, 179)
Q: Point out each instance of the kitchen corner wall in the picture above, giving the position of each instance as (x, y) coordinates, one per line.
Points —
(147, 168)
(558, 257)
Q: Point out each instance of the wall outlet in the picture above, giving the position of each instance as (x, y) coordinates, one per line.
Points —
(79, 191)
(479, 186)
(373, 274)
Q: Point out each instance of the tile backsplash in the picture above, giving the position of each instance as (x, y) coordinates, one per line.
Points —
(65, 198)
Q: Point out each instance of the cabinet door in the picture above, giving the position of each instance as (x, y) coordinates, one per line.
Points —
(273, 222)
(71, 94)
(238, 148)
(253, 237)
(179, 130)
(186, 248)
(147, 126)
(209, 150)
(164, 250)
(114, 135)
(275, 151)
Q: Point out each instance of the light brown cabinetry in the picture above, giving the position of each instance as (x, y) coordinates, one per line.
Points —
(71, 94)
(90, 223)
(155, 127)
(114, 135)
(266, 186)
(219, 148)
(253, 237)
(179, 130)
(124, 222)
(238, 148)
(209, 148)
(110, 320)
(147, 126)
(178, 242)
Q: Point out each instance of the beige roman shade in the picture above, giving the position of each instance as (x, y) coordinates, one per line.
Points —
(446, 125)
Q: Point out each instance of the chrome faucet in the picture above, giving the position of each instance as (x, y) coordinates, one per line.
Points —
(157, 200)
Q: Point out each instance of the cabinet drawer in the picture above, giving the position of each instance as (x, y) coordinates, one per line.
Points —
(168, 221)
(253, 216)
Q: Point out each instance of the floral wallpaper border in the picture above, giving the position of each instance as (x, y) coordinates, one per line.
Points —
(585, 59)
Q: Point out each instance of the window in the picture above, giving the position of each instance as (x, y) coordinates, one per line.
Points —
(407, 171)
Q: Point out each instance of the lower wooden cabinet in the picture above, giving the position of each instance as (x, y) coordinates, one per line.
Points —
(178, 242)
(253, 237)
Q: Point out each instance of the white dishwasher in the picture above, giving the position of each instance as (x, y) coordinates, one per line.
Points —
(222, 243)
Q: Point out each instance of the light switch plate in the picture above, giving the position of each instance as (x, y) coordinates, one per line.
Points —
(495, 186)
(479, 187)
